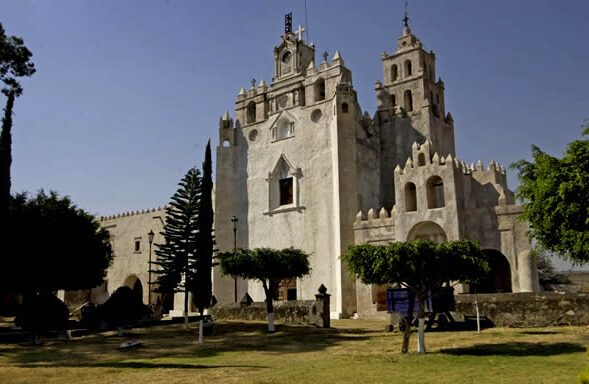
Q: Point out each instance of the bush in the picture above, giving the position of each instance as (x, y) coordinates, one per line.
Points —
(124, 307)
(41, 313)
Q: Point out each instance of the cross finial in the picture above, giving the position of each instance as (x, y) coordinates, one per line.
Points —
(406, 18)
(288, 23)
(300, 32)
(253, 83)
(325, 55)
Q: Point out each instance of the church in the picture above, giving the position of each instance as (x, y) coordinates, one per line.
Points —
(300, 165)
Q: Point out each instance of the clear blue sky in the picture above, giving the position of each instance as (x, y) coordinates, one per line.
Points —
(128, 92)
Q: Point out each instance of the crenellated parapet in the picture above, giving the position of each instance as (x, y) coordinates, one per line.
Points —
(373, 218)
(133, 213)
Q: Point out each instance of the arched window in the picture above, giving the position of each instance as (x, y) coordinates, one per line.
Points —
(394, 72)
(408, 101)
(251, 112)
(408, 71)
(393, 101)
(435, 192)
(226, 143)
(320, 89)
(345, 108)
(421, 160)
(410, 197)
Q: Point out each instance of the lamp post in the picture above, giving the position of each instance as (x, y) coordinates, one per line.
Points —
(150, 239)
(234, 221)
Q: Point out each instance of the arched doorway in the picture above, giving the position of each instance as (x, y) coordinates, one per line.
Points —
(427, 230)
(134, 283)
(499, 277)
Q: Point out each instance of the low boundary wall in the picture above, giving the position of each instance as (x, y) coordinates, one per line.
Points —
(299, 312)
(528, 309)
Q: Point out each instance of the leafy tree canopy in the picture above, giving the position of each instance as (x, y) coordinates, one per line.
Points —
(14, 62)
(265, 264)
(555, 194)
(52, 245)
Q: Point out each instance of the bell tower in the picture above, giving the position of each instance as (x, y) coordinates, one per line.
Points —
(293, 55)
(410, 107)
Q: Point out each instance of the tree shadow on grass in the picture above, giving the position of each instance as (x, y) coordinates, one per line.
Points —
(517, 349)
(539, 332)
(141, 365)
(173, 342)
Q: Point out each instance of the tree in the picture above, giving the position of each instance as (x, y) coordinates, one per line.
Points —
(547, 275)
(555, 194)
(418, 265)
(51, 245)
(176, 256)
(14, 62)
(124, 307)
(266, 265)
(41, 313)
(203, 287)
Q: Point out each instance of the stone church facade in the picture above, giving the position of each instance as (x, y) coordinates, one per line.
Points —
(301, 166)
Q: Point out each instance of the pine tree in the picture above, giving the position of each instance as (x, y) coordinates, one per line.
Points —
(176, 256)
(204, 257)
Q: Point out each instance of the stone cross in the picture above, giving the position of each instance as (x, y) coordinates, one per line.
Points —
(300, 32)
(325, 55)
(253, 83)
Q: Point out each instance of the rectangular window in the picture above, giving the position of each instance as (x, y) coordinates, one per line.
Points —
(285, 191)
(137, 245)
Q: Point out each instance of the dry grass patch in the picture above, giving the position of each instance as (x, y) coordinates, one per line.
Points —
(357, 351)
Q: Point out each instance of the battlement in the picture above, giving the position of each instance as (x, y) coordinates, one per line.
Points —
(422, 157)
(373, 219)
(133, 213)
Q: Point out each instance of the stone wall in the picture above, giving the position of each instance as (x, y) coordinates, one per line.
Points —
(299, 312)
(529, 309)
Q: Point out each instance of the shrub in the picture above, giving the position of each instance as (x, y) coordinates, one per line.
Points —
(42, 312)
(124, 307)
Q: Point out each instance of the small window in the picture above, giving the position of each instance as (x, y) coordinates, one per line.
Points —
(394, 72)
(410, 197)
(408, 69)
(320, 89)
(408, 101)
(421, 160)
(226, 143)
(435, 192)
(251, 112)
(345, 108)
(137, 246)
(285, 191)
(393, 101)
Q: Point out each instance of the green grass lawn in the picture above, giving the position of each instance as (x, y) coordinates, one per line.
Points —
(353, 351)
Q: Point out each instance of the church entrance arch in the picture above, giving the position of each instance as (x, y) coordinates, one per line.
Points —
(499, 278)
(427, 230)
(134, 283)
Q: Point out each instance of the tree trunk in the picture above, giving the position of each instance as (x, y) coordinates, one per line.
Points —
(409, 320)
(269, 306)
(185, 308)
(38, 339)
(5, 159)
(476, 305)
(201, 327)
(421, 320)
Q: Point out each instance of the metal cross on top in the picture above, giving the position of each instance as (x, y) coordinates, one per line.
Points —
(300, 32)
(325, 55)
(288, 23)
(406, 18)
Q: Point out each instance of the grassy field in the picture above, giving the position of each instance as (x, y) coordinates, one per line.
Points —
(353, 351)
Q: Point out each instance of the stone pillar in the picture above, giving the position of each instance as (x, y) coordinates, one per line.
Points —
(323, 311)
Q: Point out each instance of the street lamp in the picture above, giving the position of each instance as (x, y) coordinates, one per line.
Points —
(150, 239)
(234, 221)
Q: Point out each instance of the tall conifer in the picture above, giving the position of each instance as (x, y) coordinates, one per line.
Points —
(176, 256)
(204, 257)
